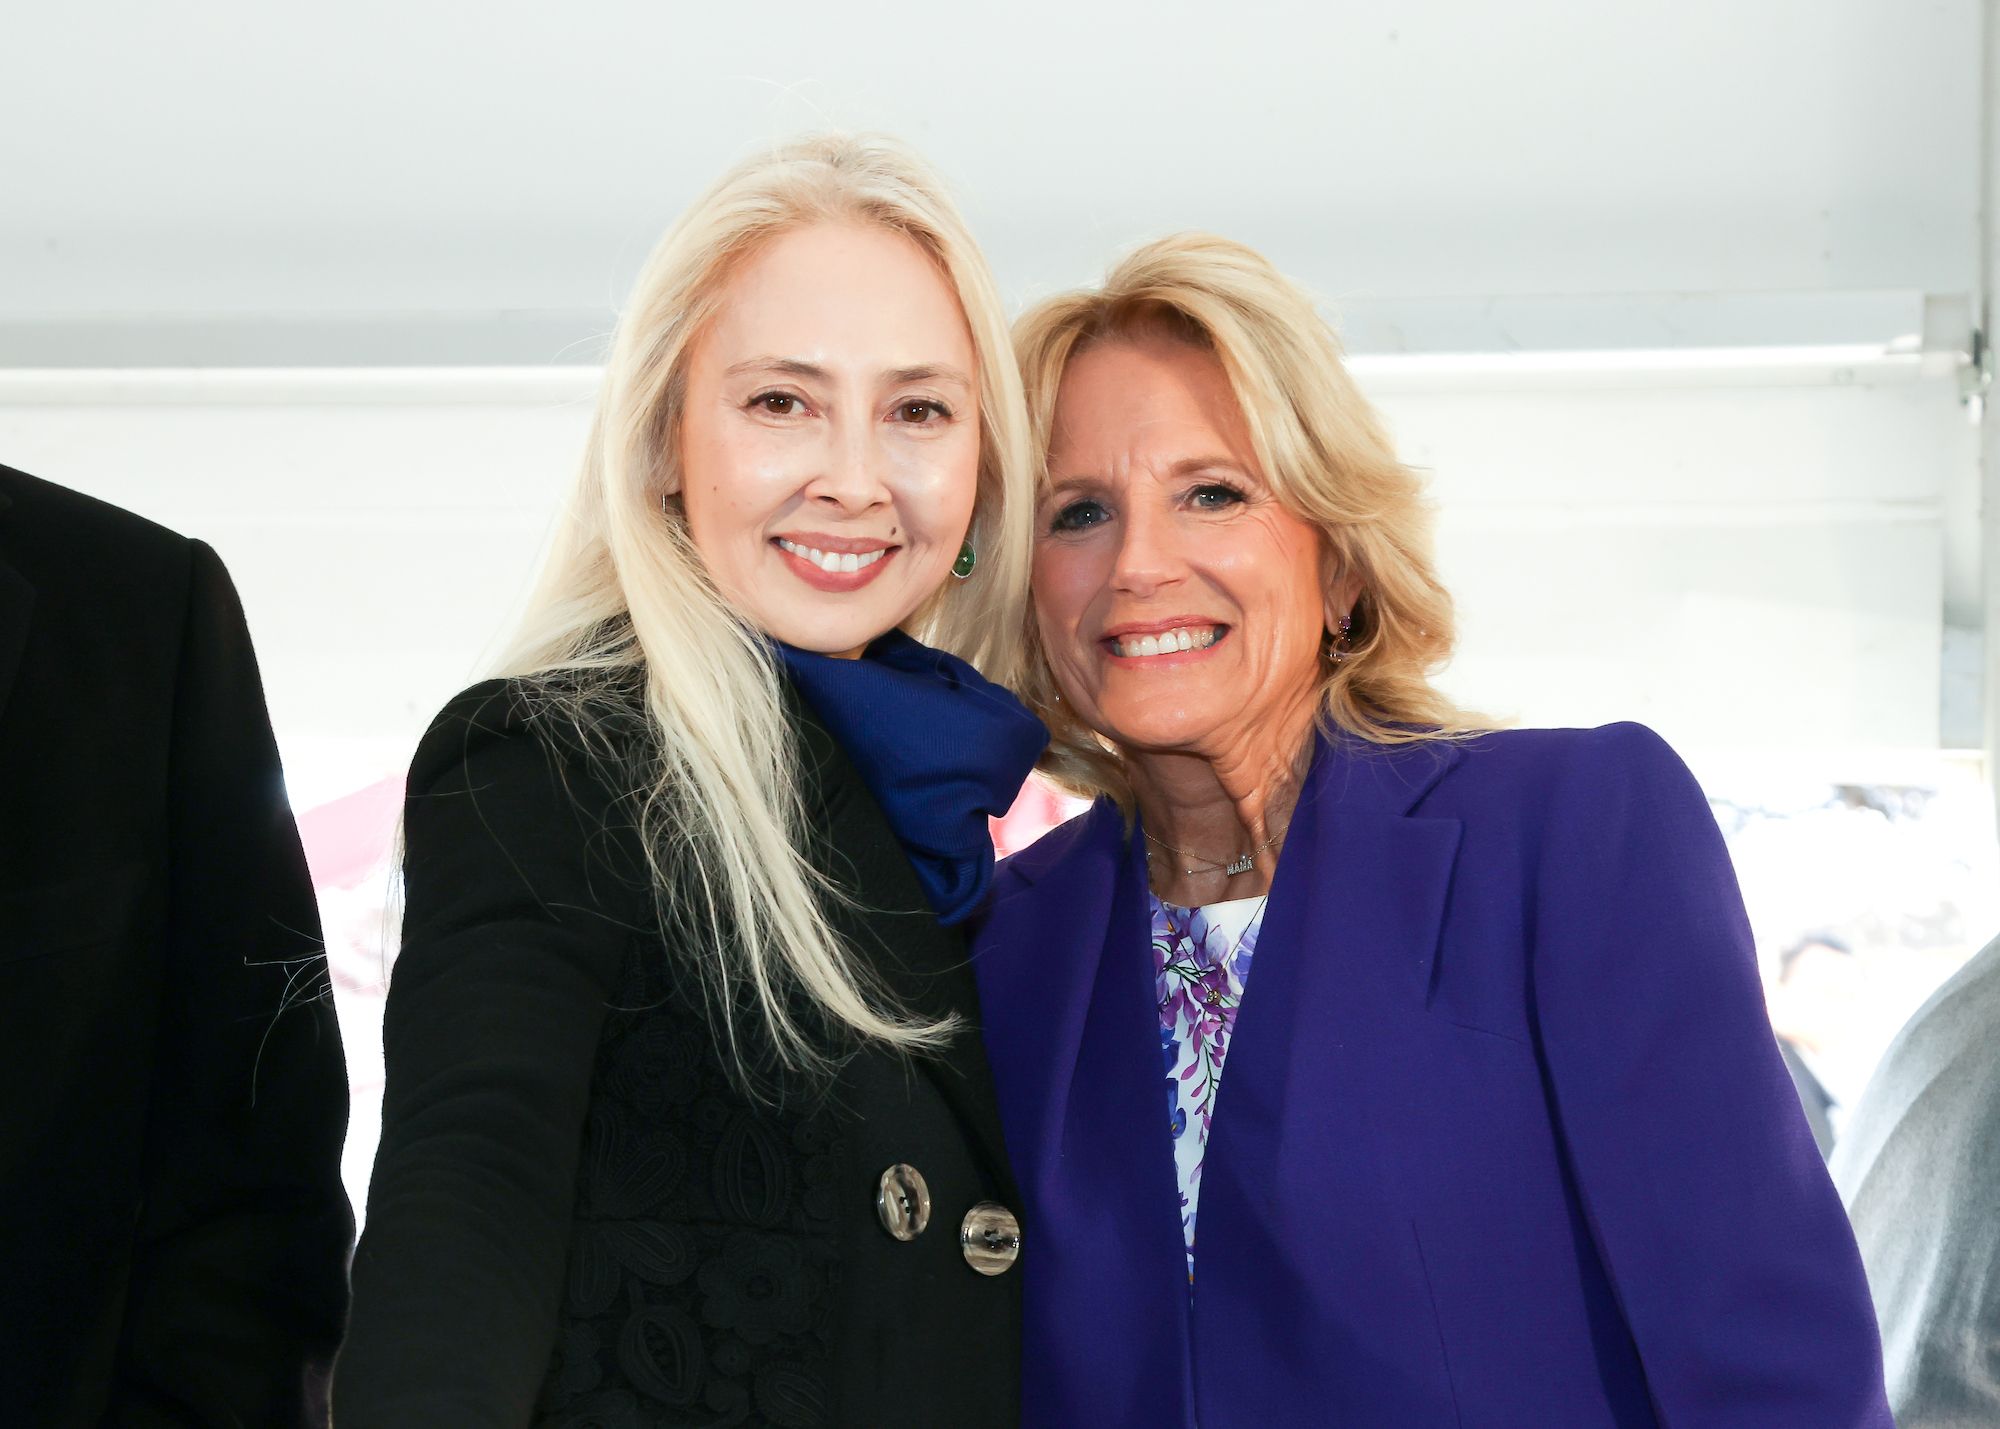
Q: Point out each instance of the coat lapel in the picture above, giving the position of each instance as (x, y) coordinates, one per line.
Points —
(1343, 971)
(1072, 1031)
(17, 603)
(1349, 941)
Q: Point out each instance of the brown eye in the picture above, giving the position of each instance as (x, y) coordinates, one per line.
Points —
(778, 404)
(922, 413)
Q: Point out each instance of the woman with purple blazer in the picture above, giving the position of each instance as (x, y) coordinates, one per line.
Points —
(1506, 1139)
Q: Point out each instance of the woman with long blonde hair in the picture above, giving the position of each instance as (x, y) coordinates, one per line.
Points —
(686, 1119)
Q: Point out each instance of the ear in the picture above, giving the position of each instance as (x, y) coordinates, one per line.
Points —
(668, 460)
(666, 473)
(1342, 589)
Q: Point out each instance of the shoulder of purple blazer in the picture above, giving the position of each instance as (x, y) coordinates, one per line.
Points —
(1522, 769)
(1566, 773)
(1627, 754)
(1547, 751)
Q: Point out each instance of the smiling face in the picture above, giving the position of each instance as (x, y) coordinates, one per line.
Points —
(829, 440)
(1180, 606)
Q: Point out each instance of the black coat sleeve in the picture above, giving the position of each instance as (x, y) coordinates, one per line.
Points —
(238, 1282)
(519, 910)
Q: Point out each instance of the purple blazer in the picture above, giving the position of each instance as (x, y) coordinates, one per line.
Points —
(1503, 1140)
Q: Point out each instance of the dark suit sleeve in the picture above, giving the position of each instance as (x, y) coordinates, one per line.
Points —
(238, 1282)
(1726, 1244)
(514, 933)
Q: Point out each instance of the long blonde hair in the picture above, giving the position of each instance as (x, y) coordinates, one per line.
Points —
(626, 622)
(1323, 450)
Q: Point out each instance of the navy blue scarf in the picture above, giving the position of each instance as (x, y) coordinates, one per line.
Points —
(940, 747)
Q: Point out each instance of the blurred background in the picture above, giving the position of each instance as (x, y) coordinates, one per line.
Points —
(1680, 304)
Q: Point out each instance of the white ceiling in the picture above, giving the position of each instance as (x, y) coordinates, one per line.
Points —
(231, 157)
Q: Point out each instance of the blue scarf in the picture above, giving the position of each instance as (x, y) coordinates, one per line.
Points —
(940, 747)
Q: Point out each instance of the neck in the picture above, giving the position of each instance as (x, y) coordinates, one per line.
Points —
(1215, 807)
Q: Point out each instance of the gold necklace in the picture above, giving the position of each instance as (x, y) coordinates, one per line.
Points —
(1242, 863)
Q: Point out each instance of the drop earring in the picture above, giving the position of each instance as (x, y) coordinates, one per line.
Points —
(967, 559)
(1343, 629)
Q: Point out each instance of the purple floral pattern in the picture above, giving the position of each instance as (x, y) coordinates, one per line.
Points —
(1201, 960)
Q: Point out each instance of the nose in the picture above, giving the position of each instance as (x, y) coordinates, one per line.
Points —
(1149, 558)
(851, 478)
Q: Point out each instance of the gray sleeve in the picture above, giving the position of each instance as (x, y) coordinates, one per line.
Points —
(1919, 1170)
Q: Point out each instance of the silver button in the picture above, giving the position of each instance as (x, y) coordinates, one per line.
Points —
(990, 1238)
(903, 1202)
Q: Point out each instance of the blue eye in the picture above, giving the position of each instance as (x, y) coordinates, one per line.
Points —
(1215, 496)
(1079, 516)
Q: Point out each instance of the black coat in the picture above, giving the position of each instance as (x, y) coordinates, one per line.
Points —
(173, 1234)
(576, 1218)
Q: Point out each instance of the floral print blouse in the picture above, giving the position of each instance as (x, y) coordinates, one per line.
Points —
(1201, 959)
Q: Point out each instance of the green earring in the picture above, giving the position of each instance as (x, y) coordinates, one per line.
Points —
(967, 559)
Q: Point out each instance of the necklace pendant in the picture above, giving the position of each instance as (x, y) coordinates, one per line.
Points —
(1242, 865)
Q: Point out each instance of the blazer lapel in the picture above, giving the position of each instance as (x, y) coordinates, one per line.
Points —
(1343, 969)
(17, 603)
(1072, 1029)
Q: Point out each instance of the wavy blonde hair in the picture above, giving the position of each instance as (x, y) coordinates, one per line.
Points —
(626, 627)
(1323, 451)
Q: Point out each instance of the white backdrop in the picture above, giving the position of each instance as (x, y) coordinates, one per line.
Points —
(303, 282)
(1740, 565)
(389, 158)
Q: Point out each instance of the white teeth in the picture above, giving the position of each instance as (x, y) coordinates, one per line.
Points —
(1171, 642)
(834, 562)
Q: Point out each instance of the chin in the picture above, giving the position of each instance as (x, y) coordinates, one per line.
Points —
(821, 642)
(809, 630)
(1142, 733)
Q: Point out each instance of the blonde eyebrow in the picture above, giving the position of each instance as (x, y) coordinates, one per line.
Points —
(928, 372)
(1190, 466)
(790, 366)
(796, 367)
(1067, 487)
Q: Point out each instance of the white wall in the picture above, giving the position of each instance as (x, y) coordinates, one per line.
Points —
(399, 156)
(1741, 565)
